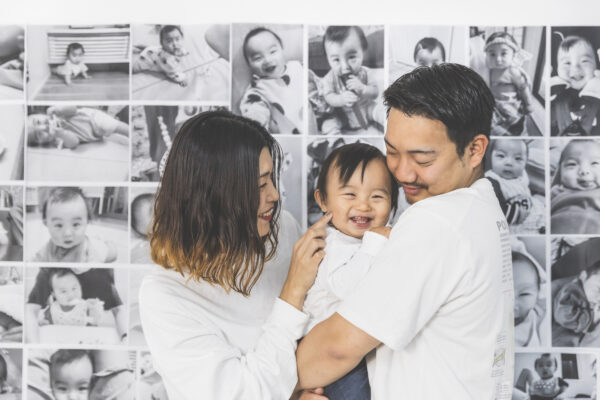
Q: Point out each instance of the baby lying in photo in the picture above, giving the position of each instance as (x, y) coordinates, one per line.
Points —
(165, 58)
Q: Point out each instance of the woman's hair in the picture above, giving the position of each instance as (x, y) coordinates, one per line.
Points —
(206, 208)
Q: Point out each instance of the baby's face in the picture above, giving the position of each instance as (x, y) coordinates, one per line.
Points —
(40, 127)
(71, 381)
(427, 58)
(526, 284)
(265, 56)
(499, 56)
(172, 42)
(76, 56)
(580, 166)
(66, 290)
(67, 222)
(545, 367)
(509, 158)
(576, 65)
(345, 57)
(360, 204)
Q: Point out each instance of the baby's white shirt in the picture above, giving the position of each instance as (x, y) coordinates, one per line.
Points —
(347, 260)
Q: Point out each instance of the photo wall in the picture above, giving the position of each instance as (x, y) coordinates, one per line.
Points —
(88, 113)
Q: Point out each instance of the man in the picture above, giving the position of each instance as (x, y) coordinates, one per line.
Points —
(437, 303)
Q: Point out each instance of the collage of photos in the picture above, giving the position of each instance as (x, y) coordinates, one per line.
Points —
(88, 115)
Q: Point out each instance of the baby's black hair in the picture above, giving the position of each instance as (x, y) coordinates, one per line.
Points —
(66, 356)
(348, 158)
(337, 34)
(255, 32)
(60, 272)
(60, 195)
(3, 369)
(503, 35)
(570, 41)
(429, 44)
(168, 29)
(518, 256)
(74, 46)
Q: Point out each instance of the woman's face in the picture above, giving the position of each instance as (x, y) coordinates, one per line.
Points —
(268, 192)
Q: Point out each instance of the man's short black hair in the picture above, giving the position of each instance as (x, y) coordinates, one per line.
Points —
(348, 158)
(450, 93)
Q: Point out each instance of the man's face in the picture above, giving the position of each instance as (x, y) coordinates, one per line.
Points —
(423, 158)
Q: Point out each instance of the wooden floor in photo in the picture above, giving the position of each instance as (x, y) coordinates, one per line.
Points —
(101, 85)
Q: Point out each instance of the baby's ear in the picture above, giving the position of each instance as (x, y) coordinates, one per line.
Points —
(320, 201)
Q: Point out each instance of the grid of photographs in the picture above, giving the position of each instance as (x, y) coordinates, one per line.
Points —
(88, 114)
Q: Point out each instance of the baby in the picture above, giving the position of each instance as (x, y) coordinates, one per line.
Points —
(576, 305)
(511, 184)
(509, 84)
(71, 374)
(350, 88)
(548, 386)
(4, 386)
(66, 214)
(575, 91)
(528, 275)
(274, 96)
(428, 52)
(357, 188)
(142, 210)
(68, 307)
(73, 66)
(165, 58)
(69, 126)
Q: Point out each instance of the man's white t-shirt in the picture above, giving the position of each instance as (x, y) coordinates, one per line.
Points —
(440, 299)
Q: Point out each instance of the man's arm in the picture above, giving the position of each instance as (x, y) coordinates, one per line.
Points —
(330, 350)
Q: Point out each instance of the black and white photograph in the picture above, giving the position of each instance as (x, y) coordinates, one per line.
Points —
(80, 374)
(154, 128)
(69, 142)
(575, 81)
(150, 384)
(11, 309)
(317, 151)
(346, 80)
(142, 210)
(11, 374)
(268, 75)
(575, 291)
(136, 332)
(12, 60)
(180, 62)
(424, 46)
(76, 305)
(77, 224)
(575, 186)
(11, 223)
(512, 61)
(78, 62)
(290, 190)
(515, 167)
(11, 142)
(532, 323)
(554, 376)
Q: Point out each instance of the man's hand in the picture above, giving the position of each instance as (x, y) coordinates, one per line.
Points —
(310, 394)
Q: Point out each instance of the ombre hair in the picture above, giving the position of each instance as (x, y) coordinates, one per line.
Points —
(206, 207)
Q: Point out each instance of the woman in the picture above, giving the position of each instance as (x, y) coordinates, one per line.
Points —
(212, 318)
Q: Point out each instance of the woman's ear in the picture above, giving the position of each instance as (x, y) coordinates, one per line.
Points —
(320, 201)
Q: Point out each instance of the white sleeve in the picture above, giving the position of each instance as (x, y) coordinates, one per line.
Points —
(344, 277)
(415, 274)
(196, 361)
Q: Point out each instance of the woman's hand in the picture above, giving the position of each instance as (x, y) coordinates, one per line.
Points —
(306, 257)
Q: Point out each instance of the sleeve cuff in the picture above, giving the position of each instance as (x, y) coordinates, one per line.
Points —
(372, 243)
(285, 314)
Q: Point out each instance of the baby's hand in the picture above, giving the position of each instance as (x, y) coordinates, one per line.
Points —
(95, 310)
(382, 230)
(354, 84)
(183, 82)
(349, 98)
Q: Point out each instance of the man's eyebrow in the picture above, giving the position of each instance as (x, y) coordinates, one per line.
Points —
(388, 143)
(421, 152)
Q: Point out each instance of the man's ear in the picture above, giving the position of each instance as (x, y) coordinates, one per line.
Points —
(320, 201)
(476, 150)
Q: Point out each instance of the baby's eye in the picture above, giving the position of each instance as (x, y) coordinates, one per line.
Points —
(58, 226)
(518, 158)
(570, 164)
(77, 224)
